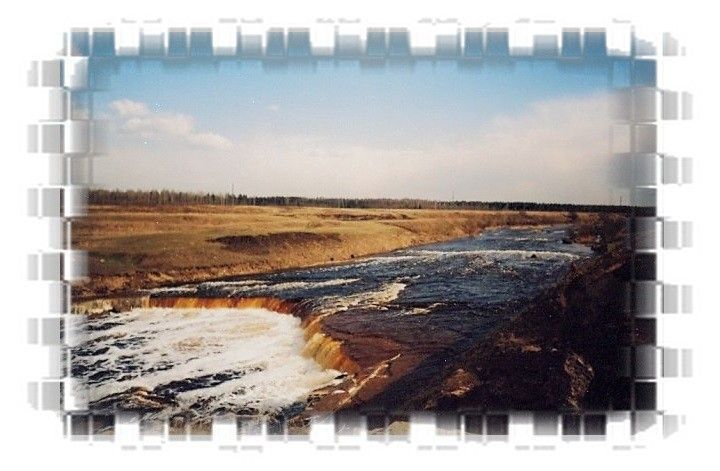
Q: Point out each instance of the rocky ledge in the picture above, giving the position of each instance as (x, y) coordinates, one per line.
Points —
(564, 353)
(561, 352)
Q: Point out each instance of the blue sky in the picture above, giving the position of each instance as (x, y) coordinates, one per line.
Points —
(431, 130)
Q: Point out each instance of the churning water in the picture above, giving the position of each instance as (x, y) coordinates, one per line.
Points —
(240, 360)
(207, 360)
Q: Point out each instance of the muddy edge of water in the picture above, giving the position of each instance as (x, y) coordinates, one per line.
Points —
(456, 376)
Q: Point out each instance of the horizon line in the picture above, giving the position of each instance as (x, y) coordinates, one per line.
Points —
(367, 198)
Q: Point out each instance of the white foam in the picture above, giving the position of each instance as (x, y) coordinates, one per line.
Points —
(520, 254)
(232, 283)
(313, 284)
(371, 261)
(377, 299)
(172, 289)
(199, 342)
(239, 287)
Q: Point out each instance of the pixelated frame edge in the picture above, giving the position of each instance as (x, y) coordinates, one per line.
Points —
(68, 136)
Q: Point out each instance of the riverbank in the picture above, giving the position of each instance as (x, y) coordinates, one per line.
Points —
(521, 316)
(561, 352)
(564, 352)
(133, 248)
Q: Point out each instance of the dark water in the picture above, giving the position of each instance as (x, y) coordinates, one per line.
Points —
(437, 295)
(495, 269)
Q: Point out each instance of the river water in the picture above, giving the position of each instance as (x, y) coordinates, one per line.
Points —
(206, 361)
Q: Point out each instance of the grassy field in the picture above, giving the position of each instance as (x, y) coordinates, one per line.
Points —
(133, 247)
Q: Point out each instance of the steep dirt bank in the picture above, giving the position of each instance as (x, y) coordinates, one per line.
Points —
(135, 248)
(558, 350)
(563, 353)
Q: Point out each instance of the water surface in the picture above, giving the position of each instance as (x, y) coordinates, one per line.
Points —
(444, 295)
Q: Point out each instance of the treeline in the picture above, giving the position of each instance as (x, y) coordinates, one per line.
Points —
(166, 197)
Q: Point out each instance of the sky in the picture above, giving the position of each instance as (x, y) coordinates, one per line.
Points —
(527, 131)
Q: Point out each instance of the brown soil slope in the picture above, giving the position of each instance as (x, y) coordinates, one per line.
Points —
(132, 247)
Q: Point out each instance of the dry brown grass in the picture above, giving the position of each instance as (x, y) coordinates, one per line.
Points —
(134, 247)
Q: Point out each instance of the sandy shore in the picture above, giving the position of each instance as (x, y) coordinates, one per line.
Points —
(133, 247)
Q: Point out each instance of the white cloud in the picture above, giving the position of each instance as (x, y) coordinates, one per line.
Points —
(135, 119)
(126, 107)
(273, 107)
(553, 151)
(559, 137)
(210, 140)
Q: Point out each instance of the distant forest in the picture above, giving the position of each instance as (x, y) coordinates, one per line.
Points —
(166, 197)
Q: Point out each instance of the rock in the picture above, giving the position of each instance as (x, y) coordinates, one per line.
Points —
(560, 353)
(136, 399)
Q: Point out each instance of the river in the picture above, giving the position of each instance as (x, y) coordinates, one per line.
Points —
(435, 297)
